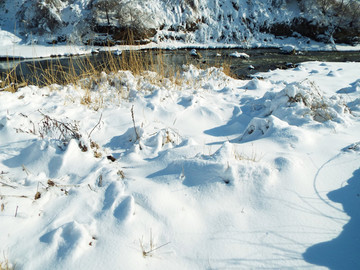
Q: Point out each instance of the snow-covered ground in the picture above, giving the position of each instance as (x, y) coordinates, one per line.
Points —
(205, 173)
(11, 46)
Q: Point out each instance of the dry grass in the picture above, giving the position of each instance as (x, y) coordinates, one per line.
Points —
(254, 156)
(10, 82)
(87, 73)
(150, 248)
(5, 265)
(315, 101)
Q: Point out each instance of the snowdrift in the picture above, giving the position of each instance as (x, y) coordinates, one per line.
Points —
(210, 172)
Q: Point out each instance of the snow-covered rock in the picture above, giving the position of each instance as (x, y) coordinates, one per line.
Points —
(239, 55)
(288, 49)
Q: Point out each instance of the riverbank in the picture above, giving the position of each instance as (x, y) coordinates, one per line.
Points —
(12, 47)
(136, 172)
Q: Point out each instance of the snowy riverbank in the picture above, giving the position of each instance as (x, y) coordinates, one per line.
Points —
(216, 174)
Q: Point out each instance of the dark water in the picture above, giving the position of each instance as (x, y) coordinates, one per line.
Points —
(260, 60)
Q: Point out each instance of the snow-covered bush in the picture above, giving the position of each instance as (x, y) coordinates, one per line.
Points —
(320, 107)
(300, 103)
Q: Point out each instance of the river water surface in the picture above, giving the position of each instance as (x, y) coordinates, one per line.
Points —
(259, 60)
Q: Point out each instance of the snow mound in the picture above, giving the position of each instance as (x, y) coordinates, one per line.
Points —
(160, 140)
(300, 103)
(8, 39)
(256, 84)
(239, 55)
(272, 127)
(238, 176)
(355, 86)
(288, 49)
(353, 147)
(226, 166)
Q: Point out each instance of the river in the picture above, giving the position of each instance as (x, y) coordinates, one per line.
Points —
(259, 60)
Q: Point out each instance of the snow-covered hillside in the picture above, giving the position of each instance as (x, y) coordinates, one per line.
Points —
(200, 21)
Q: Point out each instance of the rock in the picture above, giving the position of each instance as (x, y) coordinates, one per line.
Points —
(196, 54)
(117, 52)
(193, 52)
(94, 51)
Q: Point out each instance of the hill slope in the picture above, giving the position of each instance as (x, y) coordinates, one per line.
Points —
(190, 21)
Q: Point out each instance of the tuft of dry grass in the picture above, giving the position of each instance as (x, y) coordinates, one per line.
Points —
(5, 265)
(253, 156)
(149, 250)
(315, 101)
(10, 81)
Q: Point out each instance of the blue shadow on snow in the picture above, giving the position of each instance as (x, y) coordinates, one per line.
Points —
(342, 252)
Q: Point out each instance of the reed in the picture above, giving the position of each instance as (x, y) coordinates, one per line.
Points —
(85, 71)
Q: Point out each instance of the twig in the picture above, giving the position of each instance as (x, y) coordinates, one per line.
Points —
(50, 123)
(133, 119)
(67, 186)
(17, 207)
(7, 87)
(25, 170)
(152, 250)
(96, 125)
(14, 196)
(100, 183)
(7, 185)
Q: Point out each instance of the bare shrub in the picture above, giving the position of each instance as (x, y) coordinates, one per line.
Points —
(121, 20)
(59, 130)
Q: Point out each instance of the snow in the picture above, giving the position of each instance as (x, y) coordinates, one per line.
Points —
(207, 173)
(12, 46)
(239, 55)
(193, 52)
(288, 49)
(8, 39)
